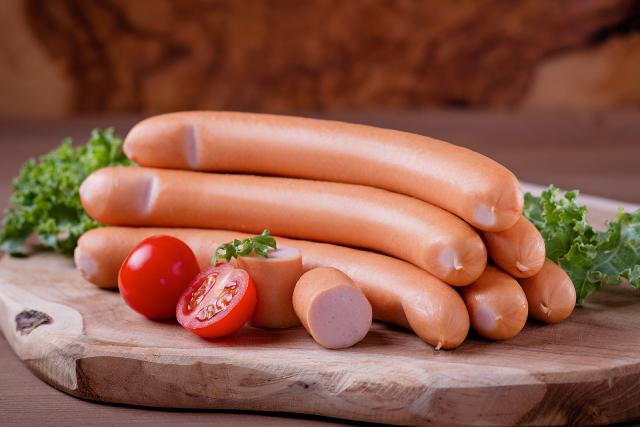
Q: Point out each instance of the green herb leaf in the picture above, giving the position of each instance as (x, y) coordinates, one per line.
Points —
(591, 258)
(258, 245)
(46, 199)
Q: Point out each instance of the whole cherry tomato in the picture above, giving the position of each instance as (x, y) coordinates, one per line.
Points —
(154, 275)
(217, 302)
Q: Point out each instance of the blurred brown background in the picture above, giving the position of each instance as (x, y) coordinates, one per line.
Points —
(93, 56)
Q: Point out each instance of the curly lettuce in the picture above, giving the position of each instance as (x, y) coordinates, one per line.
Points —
(591, 258)
(46, 200)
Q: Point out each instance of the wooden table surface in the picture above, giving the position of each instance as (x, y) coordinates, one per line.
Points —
(598, 154)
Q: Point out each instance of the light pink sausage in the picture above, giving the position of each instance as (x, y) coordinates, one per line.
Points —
(399, 292)
(275, 278)
(332, 308)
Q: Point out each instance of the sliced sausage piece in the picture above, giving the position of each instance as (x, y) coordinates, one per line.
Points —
(474, 187)
(353, 215)
(275, 278)
(332, 308)
(399, 292)
(550, 293)
(497, 305)
(518, 250)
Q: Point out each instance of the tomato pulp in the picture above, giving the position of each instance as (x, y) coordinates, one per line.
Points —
(154, 275)
(217, 302)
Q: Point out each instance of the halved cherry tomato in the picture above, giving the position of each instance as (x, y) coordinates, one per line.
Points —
(217, 302)
(154, 275)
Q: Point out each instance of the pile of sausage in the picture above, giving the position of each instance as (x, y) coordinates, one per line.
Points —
(412, 221)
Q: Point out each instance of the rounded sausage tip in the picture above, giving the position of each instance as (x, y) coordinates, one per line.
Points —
(521, 267)
(127, 151)
(497, 305)
(485, 215)
(90, 189)
(462, 265)
(519, 250)
(551, 294)
(438, 345)
(85, 264)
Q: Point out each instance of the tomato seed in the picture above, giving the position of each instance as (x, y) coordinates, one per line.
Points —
(202, 291)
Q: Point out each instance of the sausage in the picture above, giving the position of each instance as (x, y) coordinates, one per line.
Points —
(518, 250)
(399, 292)
(472, 186)
(332, 308)
(550, 293)
(275, 278)
(353, 215)
(497, 305)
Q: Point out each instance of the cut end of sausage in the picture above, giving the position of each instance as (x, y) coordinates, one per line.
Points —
(339, 317)
(284, 252)
(275, 278)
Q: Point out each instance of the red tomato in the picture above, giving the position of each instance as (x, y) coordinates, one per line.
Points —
(217, 302)
(154, 274)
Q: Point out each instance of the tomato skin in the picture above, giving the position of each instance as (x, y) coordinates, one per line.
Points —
(154, 274)
(233, 317)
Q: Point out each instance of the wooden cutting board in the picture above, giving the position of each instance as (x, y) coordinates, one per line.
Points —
(86, 342)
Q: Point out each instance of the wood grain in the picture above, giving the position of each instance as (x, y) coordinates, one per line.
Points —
(583, 371)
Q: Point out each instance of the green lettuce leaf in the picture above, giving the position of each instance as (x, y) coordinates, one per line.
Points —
(591, 258)
(46, 199)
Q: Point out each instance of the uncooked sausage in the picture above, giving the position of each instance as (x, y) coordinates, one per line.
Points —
(497, 305)
(331, 308)
(474, 187)
(519, 250)
(550, 293)
(353, 215)
(399, 292)
(275, 278)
